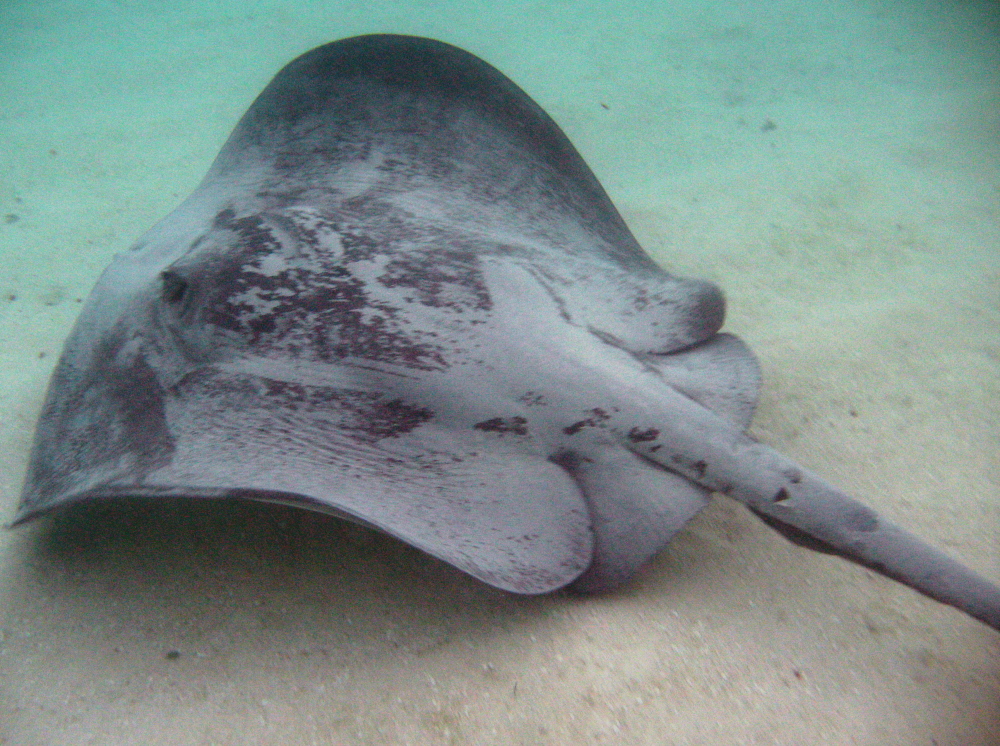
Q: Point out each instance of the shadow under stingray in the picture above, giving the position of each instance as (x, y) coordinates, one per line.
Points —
(183, 570)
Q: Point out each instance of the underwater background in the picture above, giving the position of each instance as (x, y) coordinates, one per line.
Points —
(834, 166)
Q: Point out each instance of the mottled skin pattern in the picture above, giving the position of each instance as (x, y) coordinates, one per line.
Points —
(400, 296)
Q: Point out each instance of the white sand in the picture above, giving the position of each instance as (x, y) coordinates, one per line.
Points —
(857, 240)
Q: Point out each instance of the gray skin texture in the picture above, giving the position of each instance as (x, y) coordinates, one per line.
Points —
(401, 297)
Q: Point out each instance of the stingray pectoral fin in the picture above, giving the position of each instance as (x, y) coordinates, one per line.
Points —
(814, 513)
(721, 374)
(516, 522)
(651, 312)
(636, 509)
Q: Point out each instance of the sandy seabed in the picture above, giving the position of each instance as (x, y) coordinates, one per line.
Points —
(835, 166)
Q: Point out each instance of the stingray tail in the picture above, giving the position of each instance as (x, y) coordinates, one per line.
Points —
(814, 513)
(898, 554)
(712, 452)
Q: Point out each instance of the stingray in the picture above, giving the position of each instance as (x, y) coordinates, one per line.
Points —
(400, 296)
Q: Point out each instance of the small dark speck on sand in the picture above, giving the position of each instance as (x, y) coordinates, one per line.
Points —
(172, 655)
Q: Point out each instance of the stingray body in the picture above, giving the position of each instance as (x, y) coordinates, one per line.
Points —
(400, 296)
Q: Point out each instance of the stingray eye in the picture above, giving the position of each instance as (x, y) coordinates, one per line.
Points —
(175, 287)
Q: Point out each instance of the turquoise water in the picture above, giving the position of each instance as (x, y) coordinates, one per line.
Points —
(832, 165)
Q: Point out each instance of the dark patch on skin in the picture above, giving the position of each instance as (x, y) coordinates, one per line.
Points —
(644, 436)
(394, 418)
(793, 475)
(174, 287)
(114, 415)
(224, 218)
(365, 415)
(277, 288)
(256, 236)
(532, 399)
(781, 496)
(862, 519)
(501, 426)
(440, 279)
(599, 416)
(570, 460)
(698, 468)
